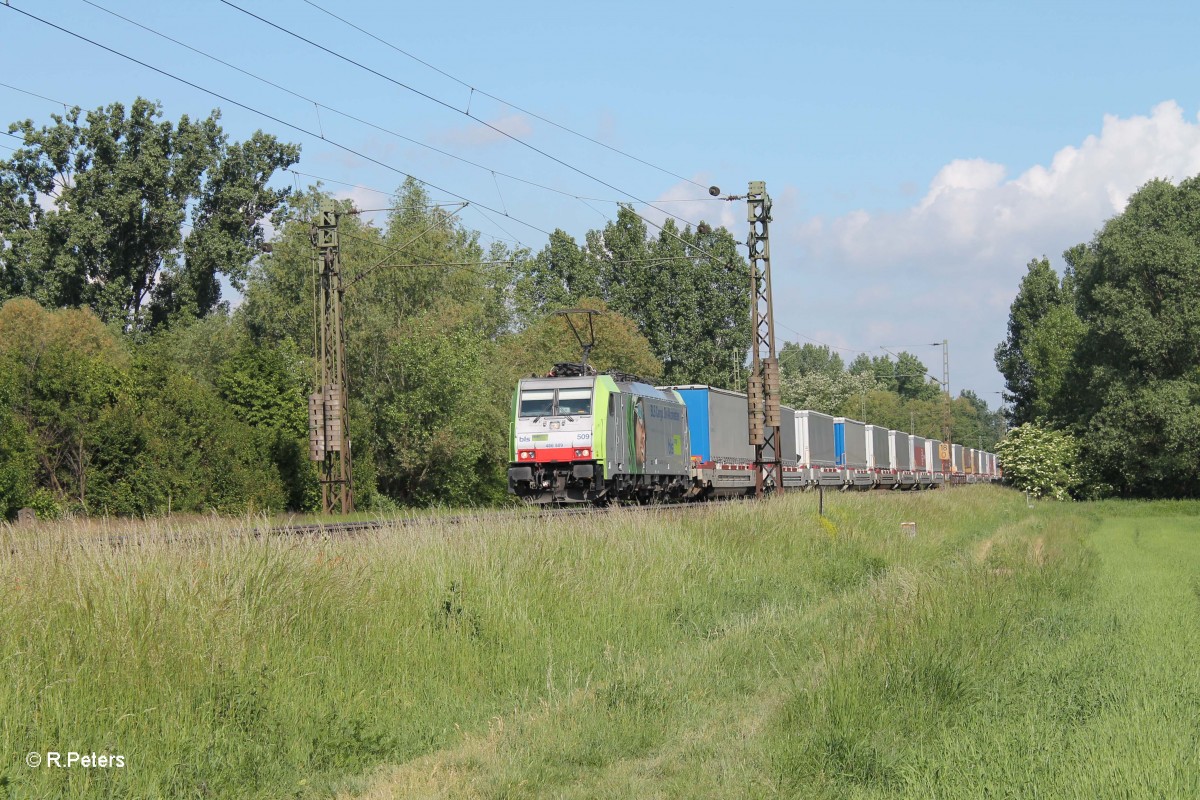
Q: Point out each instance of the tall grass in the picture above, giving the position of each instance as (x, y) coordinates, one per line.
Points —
(738, 650)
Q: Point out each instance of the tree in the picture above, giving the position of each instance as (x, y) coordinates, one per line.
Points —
(688, 292)
(802, 359)
(266, 388)
(913, 381)
(65, 370)
(1040, 460)
(1109, 354)
(427, 327)
(702, 287)
(1043, 331)
(907, 375)
(560, 274)
(192, 451)
(824, 391)
(1049, 351)
(619, 344)
(17, 458)
(1138, 363)
(91, 211)
(1144, 441)
(973, 424)
(1139, 287)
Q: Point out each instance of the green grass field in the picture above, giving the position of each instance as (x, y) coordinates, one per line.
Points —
(740, 650)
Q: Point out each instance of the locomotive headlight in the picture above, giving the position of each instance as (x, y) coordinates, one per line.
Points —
(527, 455)
(584, 452)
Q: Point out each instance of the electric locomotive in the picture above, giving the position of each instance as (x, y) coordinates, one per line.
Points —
(581, 437)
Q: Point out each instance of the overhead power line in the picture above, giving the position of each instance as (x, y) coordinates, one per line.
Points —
(394, 250)
(334, 143)
(34, 94)
(858, 350)
(817, 341)
(264, 114)
(455, 109)
(341, 113)
(289, 170)
(343, 183)
(927, 374)
(514, 106)
(345, 148)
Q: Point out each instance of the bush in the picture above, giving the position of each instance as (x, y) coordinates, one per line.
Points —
(1039, 460)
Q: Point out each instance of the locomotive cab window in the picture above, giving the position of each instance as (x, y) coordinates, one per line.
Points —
(574, 402)
(537, 403)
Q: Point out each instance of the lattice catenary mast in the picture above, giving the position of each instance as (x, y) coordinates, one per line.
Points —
(762, 388)
(328, 422)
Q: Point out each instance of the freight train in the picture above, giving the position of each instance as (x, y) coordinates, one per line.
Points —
(600, 438)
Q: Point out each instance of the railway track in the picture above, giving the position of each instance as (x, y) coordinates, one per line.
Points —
(339, 530)
(347, 529)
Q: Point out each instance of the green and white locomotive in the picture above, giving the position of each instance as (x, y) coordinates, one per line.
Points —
(587, 438)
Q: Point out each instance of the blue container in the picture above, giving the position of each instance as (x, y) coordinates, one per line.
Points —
(696, 401)
(839, 443)
(718, 423)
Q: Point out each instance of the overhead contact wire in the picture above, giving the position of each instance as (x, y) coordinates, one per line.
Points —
(457, 110)
(263, 114)
(318, 106)
(513, 106)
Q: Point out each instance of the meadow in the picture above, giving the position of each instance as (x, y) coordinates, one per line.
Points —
(737, 650)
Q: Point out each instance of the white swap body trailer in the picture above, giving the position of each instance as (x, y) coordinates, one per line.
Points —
(815, 448)
(900, 446)
(850, 444)
(879, 459)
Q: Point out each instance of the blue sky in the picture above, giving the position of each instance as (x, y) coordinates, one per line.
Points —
(918, 154)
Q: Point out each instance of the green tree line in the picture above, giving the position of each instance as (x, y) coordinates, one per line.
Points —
(129, 384)
(1108, 353)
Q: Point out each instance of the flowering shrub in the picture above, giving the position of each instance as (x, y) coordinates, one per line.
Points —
(1042, 461)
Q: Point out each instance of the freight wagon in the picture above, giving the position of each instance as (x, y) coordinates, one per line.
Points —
(900, 447)
(879, 459)
(722, 458)
(920, 462)
(957, 471)
(817, 449)
(933, 460)
(850, 448)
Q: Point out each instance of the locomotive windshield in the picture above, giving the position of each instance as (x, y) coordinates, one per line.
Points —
(537, 403)
(574, 402)
(556, 403)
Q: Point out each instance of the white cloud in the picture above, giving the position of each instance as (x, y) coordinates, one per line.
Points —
(949, 265)
(365, 199)
(687, 201)
(475, 135)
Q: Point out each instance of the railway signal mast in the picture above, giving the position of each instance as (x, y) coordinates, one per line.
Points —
(762, 388)
(328, 420)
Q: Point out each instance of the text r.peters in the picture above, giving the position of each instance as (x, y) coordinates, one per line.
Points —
(86, 760)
